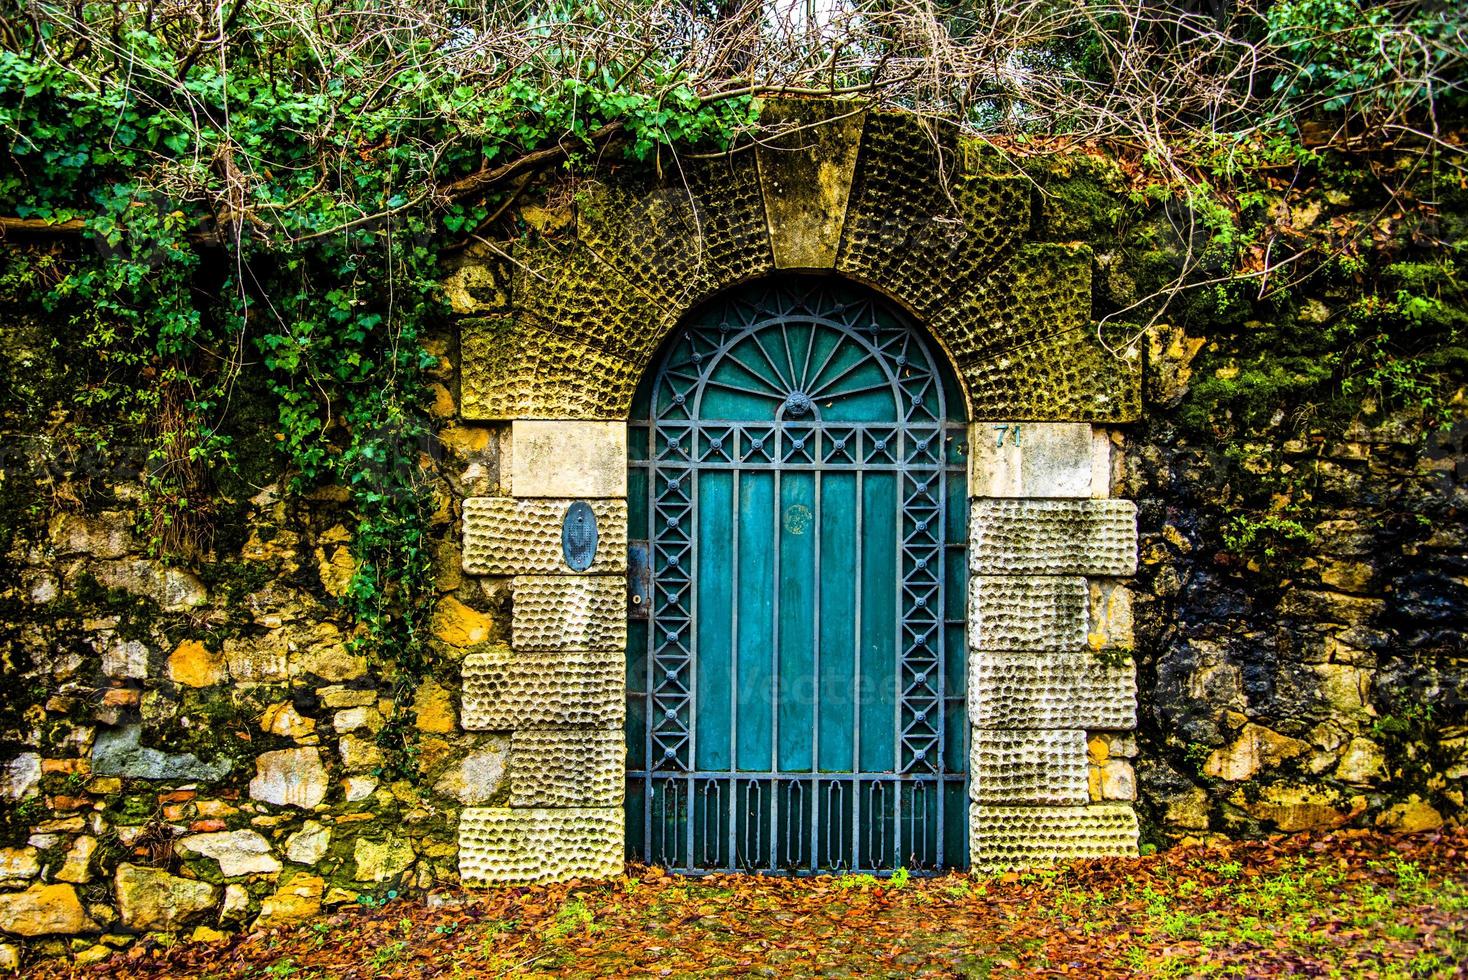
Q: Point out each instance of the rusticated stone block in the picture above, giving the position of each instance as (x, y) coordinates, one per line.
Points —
(1050, 690)
(510, 369)
(1054, 537)
(559, 612)
(1031, 459)
(806, 165)
(917, 227)
(567, 767)
(1027, 612)
(568, 459)
(1004, 837)
(567, 290)
(1038, 291)
(1028, 767)
(1061, 377)
(505, 536)
(504, 846)
(683, 238)
(505, 690)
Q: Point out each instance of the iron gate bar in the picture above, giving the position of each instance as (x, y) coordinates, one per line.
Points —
(909, 452)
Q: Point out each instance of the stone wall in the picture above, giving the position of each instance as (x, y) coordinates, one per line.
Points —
(1326, 685)
(198, 749)
(194, 748)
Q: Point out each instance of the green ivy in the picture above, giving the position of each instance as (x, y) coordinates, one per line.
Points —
(326, 272)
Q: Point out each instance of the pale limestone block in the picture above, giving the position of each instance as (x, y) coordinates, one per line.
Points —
(309, 844)
(480, 775)
(560, 612)
(568, 459)
(125, 659)
(1030, 459)
(19, 865)
(1050, 690)
(1027, 612)
(77, 868)
(355, 789)
(500, 845)
(1114, 779)
(1101, 464)
(20, 777)
(1054, 537)
(505, 690)
(239, 852)
(1029, 767)
(151, 900)
(566, 767)
(506, 536)
(290, 777)
(236, 903)
(1004, 837)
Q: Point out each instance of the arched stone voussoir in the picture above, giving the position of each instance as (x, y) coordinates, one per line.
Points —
(918, 226)
(564, 288)
(1037, 291)
(1061, 377)
(514, 370)
(681, 238)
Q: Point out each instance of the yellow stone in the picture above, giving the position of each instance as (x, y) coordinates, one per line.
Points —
(336, 534)
(1255, 748)
(272, 545)
(433, 751)
(545, 219)
(1294, 807)
(92, 954)
(443, 406)
(465, 439)
(44, 910)
(204, 934)
(1098, 750)
(283, 719)
(194, 665)
(296, 901)
(448, 568)
(333, 493)
(1410, 816)
(457, 625)
(434, 707)
(1348, 576)
(336, 571)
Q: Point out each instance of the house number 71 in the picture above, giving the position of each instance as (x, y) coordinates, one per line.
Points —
(1012, 431)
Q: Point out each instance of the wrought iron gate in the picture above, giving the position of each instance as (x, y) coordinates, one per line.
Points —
(796, 651)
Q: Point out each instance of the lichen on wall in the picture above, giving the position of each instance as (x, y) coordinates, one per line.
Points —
(198, 746)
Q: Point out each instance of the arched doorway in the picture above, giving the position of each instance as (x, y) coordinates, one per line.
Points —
(796, 651)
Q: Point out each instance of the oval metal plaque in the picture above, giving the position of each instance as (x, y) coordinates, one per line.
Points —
(578, 536)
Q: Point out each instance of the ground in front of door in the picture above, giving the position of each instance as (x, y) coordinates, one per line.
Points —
(1352, 904)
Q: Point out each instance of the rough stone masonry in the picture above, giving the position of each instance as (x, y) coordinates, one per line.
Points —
(195, 749)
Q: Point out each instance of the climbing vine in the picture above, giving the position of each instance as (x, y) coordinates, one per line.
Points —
(276, 209)
(200, 189)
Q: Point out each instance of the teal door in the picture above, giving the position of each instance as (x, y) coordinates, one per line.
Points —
(796, 651)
